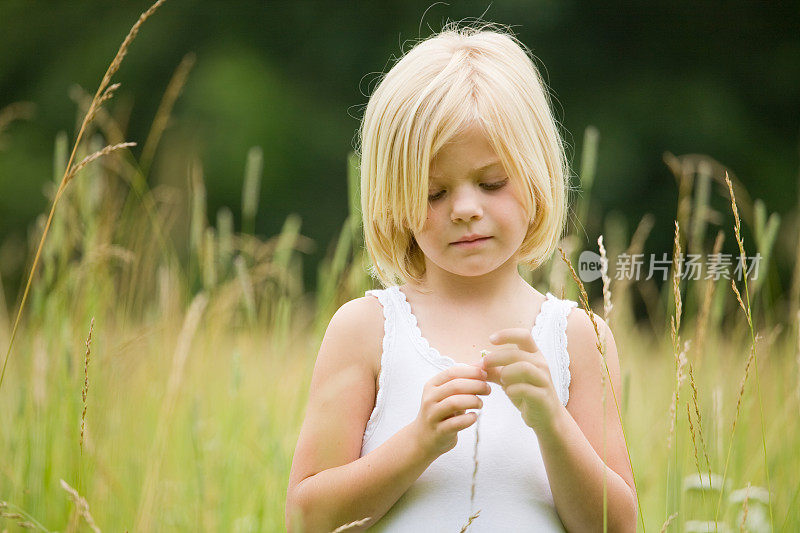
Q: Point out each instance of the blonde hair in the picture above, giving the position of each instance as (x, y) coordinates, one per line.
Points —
(441, 86)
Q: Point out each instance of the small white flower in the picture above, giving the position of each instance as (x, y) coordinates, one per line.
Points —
(696, 482)
(756, 494)
(698, 526)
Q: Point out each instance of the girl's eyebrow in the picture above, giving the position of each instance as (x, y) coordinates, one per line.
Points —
(474, 171)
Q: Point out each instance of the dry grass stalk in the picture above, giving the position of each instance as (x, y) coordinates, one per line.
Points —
(94, 107)
(557, 278)
(112, 69)
(86, 380)
(176, 84)
(742, 257)
(474, 470)
(82, 506)
(699, 422)
(694, 448)
(680, 377)
(123, 49)
(744, 508)
(752, 357)
(606, 311)
(475, 460)
(100, 153)
(351, 525)
(741, 388)
(676, 280)
(19, 518)
(585, 304)
(667, 521)
(737, 226)
(471, 518)
(705, 309)
(607, 305)
(680, 355)
(741, 303)
(101, 119)
(675, 325)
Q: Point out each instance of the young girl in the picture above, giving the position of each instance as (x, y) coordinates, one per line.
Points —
(463, 177)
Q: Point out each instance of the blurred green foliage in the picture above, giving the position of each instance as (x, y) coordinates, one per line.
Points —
(293, 78)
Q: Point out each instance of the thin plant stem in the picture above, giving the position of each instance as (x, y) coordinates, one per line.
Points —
(749, 316)
(96, 101)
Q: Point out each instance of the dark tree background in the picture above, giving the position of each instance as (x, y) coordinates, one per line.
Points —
(718, 78)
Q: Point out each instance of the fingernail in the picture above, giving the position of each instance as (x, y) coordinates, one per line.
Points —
(485, 374)
(492, 337)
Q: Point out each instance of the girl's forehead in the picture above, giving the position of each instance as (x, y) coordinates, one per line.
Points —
(479, 168)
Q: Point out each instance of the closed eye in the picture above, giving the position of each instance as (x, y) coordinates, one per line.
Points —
(487, 186)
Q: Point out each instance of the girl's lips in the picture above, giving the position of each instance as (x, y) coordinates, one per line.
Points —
(471, 244)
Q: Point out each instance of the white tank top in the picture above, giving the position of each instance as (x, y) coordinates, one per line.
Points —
(511, 488)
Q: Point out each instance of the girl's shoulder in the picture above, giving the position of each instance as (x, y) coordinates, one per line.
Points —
(582, 328)
(583, 334)
(360, 323)
(583, 331)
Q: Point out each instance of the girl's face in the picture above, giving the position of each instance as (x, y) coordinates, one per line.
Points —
(470, 195)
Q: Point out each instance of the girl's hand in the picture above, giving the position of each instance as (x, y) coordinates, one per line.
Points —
(523, 373)
(445, 398)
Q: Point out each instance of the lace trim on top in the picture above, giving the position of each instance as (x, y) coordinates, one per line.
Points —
(428, 352)
(552, 308)
(389, 329)
(563, 308)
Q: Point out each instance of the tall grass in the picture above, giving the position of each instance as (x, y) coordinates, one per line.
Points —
(201, 355)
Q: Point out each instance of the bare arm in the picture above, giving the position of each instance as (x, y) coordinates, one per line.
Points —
(572, 449)
(325, 468)
(366, 487)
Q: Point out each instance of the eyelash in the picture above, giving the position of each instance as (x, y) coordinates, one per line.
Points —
(490, 187)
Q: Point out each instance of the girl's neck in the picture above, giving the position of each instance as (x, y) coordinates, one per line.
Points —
(473, 292)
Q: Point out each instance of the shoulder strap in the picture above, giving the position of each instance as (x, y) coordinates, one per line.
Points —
(558, 311)
(386, 299)
(384, 296)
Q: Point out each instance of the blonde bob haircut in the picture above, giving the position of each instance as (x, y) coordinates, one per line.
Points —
(444, 84)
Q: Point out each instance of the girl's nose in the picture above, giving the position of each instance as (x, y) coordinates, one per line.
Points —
(466, 205)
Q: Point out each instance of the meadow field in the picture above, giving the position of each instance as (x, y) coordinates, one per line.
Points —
(159, 370)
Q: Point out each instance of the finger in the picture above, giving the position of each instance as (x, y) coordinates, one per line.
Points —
(517, 392)
(522, 337)
(457, 371)
(489, 362)
(523, 372)
(457, 423)
(459, 386)
(506, 356)
(452, 405)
